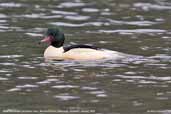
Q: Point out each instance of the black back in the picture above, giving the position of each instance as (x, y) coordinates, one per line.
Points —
(67, 48)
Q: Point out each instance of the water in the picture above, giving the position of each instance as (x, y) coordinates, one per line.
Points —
(134, 86)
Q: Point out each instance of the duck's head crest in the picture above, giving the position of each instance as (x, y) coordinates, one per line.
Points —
(54, 37)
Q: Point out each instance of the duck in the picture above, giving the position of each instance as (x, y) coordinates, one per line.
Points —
(57, 51)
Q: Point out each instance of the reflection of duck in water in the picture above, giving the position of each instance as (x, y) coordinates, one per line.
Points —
(75, 52)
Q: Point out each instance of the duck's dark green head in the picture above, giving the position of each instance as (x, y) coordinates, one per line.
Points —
(54, 37)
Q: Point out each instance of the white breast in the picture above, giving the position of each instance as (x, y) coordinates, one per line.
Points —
(53, 53)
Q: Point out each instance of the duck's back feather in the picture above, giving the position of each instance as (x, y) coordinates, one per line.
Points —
(68, 48)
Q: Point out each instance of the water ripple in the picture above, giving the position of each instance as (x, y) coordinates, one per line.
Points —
(155, 78)
(37, 16)
(5, 70)
(163, 57)
(3, 21)
(89, 88)
(148, 6)
(8, 64)
(11, 5)
(47, 81)
(27, 86)
(3, 79)
(66, 97)
(64, 12)
(3, 16)
(6, 28)
(79, 25)
(34, 34)
(90, 10)
(33, 15)
(27, 78)
(137, 23)
(84, 64)
(14, 89)
(140, 31)
(98, 93)
(77, 18)
(70, 5)
(64, 86)
(11, 56)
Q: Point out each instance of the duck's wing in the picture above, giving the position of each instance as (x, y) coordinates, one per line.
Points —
(67, 48)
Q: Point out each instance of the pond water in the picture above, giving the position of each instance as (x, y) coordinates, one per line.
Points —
(137, 27)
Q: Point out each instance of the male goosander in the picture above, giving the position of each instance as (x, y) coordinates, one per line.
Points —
(55, 38)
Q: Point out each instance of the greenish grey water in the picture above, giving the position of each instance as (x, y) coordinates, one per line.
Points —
(136, 86)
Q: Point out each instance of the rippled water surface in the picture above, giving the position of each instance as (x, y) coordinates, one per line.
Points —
(133, 86)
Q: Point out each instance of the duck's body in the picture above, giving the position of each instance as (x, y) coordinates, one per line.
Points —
(76, 52)
(80, 54)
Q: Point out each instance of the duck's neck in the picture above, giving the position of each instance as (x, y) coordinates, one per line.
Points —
(57, 44)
